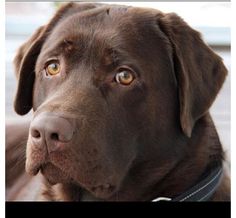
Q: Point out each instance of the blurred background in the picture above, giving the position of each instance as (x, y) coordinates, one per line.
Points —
(211, 19)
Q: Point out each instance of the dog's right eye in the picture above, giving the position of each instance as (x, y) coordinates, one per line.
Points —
(53, 68)
(124, 77)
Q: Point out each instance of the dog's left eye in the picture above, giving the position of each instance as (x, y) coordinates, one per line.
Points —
(124, 77)
(53, 68)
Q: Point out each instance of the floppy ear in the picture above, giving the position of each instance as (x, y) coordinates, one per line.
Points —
(199, 71)
(24, 69)
(28, 53)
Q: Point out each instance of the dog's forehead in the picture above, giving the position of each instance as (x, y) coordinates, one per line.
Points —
(107, 35)
(106, 22)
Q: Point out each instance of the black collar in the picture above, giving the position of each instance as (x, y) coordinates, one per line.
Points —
(202, 191)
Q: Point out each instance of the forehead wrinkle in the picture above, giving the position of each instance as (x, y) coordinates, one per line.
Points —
(110, 57)
(84, 25)
(85, 20)
(86, 33)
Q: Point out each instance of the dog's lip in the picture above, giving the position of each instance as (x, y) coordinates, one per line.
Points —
(48, 169)
(96, 191)
(54, 174)
(103, 190)
(33, 169)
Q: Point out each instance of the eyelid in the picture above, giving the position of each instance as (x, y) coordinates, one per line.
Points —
(51, 60)
(131, 69)
(124, 67)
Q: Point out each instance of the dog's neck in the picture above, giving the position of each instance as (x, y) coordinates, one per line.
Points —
(203, 153)
(151, 179)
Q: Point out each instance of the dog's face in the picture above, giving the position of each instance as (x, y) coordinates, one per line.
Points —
(106, 80)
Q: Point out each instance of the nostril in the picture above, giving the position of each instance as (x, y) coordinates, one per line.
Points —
(35, 133)
(54, 136)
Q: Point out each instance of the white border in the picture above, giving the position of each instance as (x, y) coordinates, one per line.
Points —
(233, 108)
(2, 108)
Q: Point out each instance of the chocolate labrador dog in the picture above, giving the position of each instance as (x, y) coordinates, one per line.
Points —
(121, 99)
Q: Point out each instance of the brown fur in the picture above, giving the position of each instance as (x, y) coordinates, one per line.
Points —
(131, 143)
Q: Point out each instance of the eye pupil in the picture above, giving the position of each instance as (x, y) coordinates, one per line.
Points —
(124, 77)
(53, 66)
(53, 69)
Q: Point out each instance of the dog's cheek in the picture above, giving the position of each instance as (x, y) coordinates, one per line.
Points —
(121, 143)
(134, 104)
(125, 121)
(132, 95)
(102, 151)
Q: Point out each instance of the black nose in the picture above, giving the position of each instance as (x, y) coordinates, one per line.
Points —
(52, 130)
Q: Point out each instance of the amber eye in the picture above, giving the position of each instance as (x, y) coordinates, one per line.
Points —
(53, 68)
(125, 77)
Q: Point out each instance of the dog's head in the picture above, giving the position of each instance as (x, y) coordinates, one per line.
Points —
(111, 86)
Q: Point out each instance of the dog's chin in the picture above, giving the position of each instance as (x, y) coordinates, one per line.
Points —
(54, 175)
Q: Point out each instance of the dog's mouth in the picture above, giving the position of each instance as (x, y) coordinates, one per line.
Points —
(54, 175)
